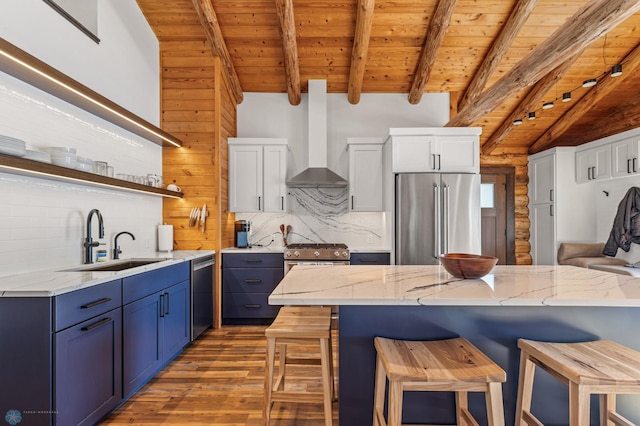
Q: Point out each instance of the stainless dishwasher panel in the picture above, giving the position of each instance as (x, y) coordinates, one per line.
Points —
(202, 286)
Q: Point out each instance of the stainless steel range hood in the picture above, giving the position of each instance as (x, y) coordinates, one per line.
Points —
(317, 175)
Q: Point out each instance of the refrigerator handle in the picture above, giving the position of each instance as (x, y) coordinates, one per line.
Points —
(437, 221)
(445, 218)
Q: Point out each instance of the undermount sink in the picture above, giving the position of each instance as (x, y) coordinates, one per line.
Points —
(117, 265)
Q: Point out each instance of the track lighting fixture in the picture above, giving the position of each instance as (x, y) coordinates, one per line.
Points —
(517, 121)
(590, 82)
(566, 97)
(616, 70)
(547, 105)
(532, 115)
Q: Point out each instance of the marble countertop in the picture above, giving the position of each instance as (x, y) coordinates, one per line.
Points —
(412, 285)
(62, 280)
(280, 249)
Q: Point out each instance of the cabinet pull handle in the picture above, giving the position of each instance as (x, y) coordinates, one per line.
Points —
(282, 203)
(550, 209)
(255, 306)
(252, 281)
(593, 173)
(352, 202)
(162, 306)
(633, 162)
(259, 201)
(628, 165)
(253, 260)
(96, 303)
(368, 259)
(167, 304)
(551, 194)
(439, 162)
(433, 157)
(96, 324)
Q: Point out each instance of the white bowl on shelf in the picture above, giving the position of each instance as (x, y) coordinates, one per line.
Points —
(84, 164)
(43, 157)
(64, 160)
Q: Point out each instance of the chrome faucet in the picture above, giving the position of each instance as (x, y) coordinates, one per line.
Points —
(88, 241)
(116, 247)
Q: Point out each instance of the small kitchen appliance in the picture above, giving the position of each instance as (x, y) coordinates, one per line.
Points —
(242, 230)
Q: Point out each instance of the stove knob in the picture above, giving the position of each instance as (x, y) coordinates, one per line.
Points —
(336, 254)
(287, 254)
(296, 253)
(316, 253)
(345, 254)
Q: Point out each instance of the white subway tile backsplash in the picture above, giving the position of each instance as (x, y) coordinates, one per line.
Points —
(43, 222)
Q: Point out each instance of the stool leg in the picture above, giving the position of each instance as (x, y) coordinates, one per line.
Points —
(462, 403)
(607, 405)
(282, 348)
(327, 379)
(495, 411)
(268, 380)
(395, 404)
(378, 393)
(525, 387)
(334, 391)
(578, 405)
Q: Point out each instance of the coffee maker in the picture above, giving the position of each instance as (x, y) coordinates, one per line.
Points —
(242, 230)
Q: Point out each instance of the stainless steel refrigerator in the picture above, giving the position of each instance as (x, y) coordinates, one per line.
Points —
(436, 213)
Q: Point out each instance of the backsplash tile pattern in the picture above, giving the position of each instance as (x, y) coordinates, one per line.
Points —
(319, 215)
(42, 222)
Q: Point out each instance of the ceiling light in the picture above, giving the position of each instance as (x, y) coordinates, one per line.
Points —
(532, 115)
(589, 83)
(616, 70)
(517, 121)
(547, 105)
(566, 97)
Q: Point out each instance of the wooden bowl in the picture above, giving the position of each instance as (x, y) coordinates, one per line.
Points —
(462, 265)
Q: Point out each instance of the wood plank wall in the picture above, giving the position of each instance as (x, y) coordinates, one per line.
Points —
(198, 108)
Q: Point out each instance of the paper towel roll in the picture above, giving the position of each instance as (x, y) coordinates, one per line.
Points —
(165, 237)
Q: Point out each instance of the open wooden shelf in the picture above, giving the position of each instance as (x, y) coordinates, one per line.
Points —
(23, 166)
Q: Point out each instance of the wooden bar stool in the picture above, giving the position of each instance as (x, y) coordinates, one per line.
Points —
(600, 367)
(299, 325)
(452, 365)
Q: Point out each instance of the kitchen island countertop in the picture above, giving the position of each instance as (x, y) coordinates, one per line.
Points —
(406, 285)
(61, 280)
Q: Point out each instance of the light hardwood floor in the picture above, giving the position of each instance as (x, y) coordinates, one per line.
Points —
(218, 380)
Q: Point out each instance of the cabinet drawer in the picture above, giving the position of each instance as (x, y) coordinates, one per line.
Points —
(80, 305)
(245, 305)
(141, 285)
(251, 280)
(252, 260)
(370, 258)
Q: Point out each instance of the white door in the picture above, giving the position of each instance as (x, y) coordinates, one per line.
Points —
(275, 171)
(457, 154)
(542, 172)
(365, 178)
(543, 241)
(412, 154)
(245, 178)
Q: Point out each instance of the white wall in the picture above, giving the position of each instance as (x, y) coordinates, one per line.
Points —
(271, 115)
(42, 222)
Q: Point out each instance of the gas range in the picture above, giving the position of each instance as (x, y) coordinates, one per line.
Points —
(317, 252)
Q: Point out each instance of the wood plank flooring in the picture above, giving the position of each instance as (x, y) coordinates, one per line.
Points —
(218, 380)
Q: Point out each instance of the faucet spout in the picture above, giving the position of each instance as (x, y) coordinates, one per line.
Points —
(116, 247)
(88, 241)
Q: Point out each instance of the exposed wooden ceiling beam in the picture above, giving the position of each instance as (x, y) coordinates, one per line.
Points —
(498, 50)
(604, 87)
(593, 20)
(435, 34)
(527, 104)
(209, 21)
(284, 9)
(360, 49)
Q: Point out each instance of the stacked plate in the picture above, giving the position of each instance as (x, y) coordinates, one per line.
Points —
(40, 156)
(63, 156)
(12, 146)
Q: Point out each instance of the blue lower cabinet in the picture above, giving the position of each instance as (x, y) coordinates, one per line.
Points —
(88, 366)
(156, 328)
(374, 258)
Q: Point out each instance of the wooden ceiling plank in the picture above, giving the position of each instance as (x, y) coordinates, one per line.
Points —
(527, 104)
(437, 28)
(593, 20)
(284, 9)
(209, 22)
(604, 88)
(360, 49)
(498, 50)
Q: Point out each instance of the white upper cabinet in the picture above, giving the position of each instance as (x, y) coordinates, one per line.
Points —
(435, 149)
(624, 157)
(365, 174)
(257, 174)
(593, 163)
(542, 172)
